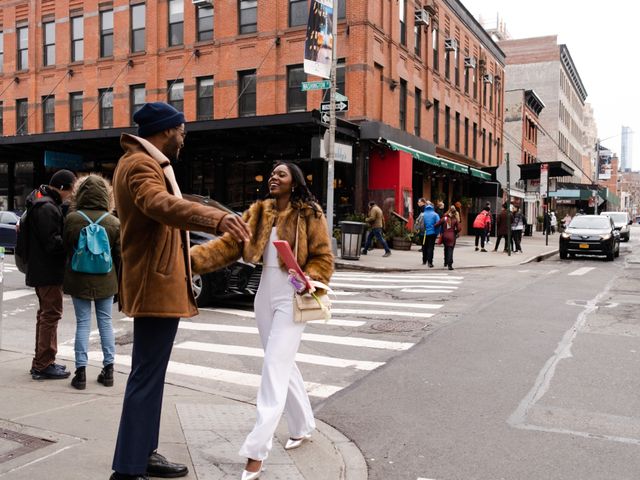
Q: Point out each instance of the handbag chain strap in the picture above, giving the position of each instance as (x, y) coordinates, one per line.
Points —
(296, 245)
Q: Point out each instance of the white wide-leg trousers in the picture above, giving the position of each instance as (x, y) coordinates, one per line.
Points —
(281, 387)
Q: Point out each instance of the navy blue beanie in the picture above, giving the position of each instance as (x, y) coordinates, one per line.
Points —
(157, 117)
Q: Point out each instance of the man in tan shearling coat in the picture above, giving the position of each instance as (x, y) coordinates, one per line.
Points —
(155, 283)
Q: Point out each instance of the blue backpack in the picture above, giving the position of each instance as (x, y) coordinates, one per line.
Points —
(93, 252)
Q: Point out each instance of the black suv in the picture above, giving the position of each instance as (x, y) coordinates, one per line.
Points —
(590, 235)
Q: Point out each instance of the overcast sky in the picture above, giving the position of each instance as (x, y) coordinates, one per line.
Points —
(602, 37)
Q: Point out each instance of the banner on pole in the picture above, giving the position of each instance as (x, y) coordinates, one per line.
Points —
(544, 179)
(318, 46)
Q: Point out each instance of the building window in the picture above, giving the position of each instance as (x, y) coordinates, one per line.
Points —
(205, 23)
(248, 16)
(49, 43)
(175, 94)
(475, 140)
(466, 77)
(403, 22)
(1, 50)
(436, 121)
(247, 93)
(22, 34)
(77, 39)
(484, 145)
(75, 109)
(297, 12)
(176, 22)
(466, 136)
(106, 33)
(474, 77)
(457, 132)
(447, 64)
(296, 98)
(490, 97)
(22, 117)
(403, 104)
(490, 148)
(417, 113)
(138, 22)
(456, 67)
(447, 126)
(342, 9)
(204, 110)
(434, 41)
(48, 114)
(106, 107)
(417, 38)
(137, 97)
(1, 118)
(341, 86)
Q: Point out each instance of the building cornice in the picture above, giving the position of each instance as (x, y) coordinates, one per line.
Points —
(572, 72)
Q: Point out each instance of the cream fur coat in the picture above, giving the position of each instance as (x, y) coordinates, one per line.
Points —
(314, 244)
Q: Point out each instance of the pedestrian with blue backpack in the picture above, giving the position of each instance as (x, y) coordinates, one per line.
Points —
(92, 242)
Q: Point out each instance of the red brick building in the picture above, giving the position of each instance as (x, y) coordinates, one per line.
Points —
(73, 73)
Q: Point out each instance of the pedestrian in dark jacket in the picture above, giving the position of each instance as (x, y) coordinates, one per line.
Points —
(92, 197)
(430, 234)
(502, 228)
(46, 271)
(450, 229)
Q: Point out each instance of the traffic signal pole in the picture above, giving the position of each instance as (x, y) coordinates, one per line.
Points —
(331, 153)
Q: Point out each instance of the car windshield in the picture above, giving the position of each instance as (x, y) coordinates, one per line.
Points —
(590, 222)
(617, 217)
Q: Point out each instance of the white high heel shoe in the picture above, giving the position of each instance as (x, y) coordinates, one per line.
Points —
(247, 475)
(296, 442)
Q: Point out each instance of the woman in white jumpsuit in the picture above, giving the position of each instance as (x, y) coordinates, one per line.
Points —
(290, 207)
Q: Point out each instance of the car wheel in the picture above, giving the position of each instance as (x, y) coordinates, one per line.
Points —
(617, 252)
(626, 239)
(201, 290)
(563, 254)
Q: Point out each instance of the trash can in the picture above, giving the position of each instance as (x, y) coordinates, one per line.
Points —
(528, 230)
(351, 239)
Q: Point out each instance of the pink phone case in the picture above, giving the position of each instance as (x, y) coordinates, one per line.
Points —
(285, 252)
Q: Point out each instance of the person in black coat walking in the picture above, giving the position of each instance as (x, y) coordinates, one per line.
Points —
(45, 271)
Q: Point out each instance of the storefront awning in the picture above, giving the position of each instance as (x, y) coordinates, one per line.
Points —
(431, 159)
(479, 174)
(530, 171)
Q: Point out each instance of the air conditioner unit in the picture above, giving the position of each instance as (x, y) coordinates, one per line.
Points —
(469, 62)
(421, 17)
(487, 78)
(430, 7)
(450, 44)
(202, 3)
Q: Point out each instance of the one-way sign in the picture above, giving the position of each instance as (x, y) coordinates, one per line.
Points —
(340, 106)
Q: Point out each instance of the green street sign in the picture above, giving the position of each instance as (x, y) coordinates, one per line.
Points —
(319, 85)
(341, 98)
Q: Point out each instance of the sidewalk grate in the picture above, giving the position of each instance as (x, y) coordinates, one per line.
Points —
(27, 444)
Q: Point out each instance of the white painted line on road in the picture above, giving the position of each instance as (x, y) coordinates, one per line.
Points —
(581, 271)
(389, 304)
(422, 290)
(344, 294)
(300, 357)
(383, 278)
(389, 275)
(362, 311)
(231, 311)
(336, 311)
(310, 337)
(551, 272)
(385, 287)
(13, 294)
(340, 323)
(216, 374)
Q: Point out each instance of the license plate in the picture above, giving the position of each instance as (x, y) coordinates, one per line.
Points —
(584, 245)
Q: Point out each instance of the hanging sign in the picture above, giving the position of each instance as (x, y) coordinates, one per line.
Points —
(318, 46)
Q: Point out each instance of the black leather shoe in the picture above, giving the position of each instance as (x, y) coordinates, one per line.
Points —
(159, 466)
(50, 373)
(122, 476)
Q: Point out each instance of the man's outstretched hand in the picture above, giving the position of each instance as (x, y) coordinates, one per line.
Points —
(236, 227)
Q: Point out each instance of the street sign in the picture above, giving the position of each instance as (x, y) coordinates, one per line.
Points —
(340, 106)
(325, 118)
(319, 85)
(544, 180)
(341, 98)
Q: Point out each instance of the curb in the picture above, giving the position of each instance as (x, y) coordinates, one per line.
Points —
(541, 257)
(354, 465)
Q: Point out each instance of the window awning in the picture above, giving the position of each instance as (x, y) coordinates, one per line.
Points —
(479, 174)
(432, 159)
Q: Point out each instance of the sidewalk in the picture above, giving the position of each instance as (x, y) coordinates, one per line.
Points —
(50, 430)
(464, 256)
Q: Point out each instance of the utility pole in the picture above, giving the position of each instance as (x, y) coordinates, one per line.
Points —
(331, 153)
(508, 205)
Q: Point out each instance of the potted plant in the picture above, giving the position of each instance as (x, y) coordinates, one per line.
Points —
(398, 234)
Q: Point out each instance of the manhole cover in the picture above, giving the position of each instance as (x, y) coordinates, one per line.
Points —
(395, 326)
(16, 444)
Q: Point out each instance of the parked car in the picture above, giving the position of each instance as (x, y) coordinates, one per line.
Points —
(8, 224)
(622, 222)
(238, 282)
(590, 235)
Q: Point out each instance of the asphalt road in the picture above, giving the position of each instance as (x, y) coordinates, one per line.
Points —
(533, 374)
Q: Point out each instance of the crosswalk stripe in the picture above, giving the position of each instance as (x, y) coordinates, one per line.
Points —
(231, 311)
(13, 294)
(581, 271)
(310, 337)
(226, 376)
(339, 323)
(392, 276)
(363, 311)
(422, 290)
(382, 278)
(389, 304)
(300, 357)
(384, 287)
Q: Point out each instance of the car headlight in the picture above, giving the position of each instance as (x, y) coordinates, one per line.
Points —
(605, 237)
(566, 235)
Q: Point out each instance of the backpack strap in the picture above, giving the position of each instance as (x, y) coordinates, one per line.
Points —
(105, 214)
(86, 217)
